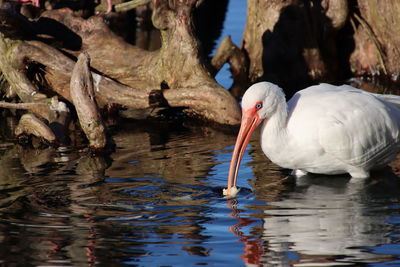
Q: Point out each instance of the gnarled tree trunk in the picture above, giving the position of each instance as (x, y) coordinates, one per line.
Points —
(376, 37)
(292, 43)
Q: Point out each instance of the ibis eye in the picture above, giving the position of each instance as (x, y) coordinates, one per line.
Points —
(258, 105)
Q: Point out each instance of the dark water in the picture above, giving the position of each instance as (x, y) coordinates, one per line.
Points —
(157, 201)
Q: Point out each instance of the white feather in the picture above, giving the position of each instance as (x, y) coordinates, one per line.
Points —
(328, 129)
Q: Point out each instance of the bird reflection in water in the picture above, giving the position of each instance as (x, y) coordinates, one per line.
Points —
(322, 221)
(253, 246)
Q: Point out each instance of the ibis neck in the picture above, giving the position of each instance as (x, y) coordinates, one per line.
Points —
(273, 132)
(277, 122)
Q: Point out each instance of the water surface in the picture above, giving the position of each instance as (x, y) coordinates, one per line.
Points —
(157, 201)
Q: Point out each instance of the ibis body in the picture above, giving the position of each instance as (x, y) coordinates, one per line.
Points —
(322, 129)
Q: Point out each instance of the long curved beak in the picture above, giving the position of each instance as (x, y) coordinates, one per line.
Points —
(250, 121)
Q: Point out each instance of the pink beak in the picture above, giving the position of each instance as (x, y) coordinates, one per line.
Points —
(250, 121)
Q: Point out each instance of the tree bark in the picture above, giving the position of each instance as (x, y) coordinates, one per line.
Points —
(376, 38)
(292, 43)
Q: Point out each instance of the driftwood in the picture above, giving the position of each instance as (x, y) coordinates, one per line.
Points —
(27, 106)
(29, 124)
(176, 69)
(13, 69)
(123, 75)
(82, 94)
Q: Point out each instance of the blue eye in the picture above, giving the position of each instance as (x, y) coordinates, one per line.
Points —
(258, 105)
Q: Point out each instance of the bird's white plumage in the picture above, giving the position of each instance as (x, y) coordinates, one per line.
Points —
(327, 129)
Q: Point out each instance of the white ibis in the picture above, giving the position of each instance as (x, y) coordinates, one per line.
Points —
(322, 129)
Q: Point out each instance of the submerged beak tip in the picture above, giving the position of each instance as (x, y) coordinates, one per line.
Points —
(230, 192)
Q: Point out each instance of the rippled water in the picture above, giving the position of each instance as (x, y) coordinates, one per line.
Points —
(157, 202)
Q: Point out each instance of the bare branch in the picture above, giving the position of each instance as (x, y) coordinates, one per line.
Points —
(28, 106)
(130, 5)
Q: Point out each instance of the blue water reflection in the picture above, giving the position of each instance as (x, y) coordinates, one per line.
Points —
(160, 203)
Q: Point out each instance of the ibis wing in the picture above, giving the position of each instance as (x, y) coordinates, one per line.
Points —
(363, 136)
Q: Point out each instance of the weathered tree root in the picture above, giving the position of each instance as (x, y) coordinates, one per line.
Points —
(14, 68)
(227, 51)
(27, 106)
(60, 68)
(29, 124)
(14, 72)
(175, 74)
(82, 94)
(177, 65)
